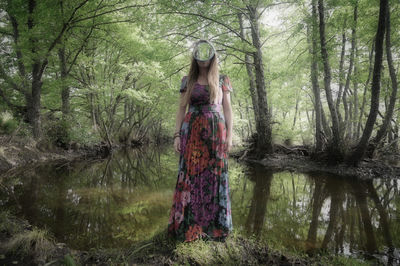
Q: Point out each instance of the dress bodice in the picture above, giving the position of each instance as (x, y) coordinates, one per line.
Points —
(200, 95)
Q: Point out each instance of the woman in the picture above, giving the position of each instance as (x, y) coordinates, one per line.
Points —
(203, 137)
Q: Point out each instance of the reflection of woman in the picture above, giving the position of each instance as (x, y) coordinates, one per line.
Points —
(201, 203)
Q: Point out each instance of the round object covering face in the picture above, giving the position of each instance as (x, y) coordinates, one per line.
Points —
(203, 51)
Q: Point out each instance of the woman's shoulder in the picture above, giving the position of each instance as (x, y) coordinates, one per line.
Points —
(183, 84)
(184, 80)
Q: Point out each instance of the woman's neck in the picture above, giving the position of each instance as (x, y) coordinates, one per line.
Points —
(203, 71)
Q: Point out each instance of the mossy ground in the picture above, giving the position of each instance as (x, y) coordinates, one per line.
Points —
(23, 244)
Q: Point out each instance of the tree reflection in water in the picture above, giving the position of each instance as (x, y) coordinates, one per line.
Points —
(127, 198)
(258, 208)
(109, 203)
(317, 212)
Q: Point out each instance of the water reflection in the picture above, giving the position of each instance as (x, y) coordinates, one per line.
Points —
(109, 203)
(127, 198)
(316, 212)
(258, 207)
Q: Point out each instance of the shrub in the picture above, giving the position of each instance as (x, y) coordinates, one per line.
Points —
(7, 123)
(9, 126)
(57, 132)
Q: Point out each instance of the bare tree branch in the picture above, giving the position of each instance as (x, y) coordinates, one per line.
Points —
(207, 18)
(110, 11)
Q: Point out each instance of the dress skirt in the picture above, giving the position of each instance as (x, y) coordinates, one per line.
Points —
(201, 203)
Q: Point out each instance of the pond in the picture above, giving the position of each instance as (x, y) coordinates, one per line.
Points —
(127, 198)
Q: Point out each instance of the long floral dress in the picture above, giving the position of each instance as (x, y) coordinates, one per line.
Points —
(201, 203)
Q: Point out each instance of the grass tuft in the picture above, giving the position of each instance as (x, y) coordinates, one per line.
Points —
(36, 243)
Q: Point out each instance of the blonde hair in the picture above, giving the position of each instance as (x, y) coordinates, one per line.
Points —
(212, 77)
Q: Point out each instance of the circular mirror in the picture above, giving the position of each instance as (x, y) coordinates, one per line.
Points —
(203, 50)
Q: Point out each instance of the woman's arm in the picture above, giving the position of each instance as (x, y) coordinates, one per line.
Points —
(226, 104)
(180, 114)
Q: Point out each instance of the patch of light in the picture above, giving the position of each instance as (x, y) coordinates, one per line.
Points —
(276, 16)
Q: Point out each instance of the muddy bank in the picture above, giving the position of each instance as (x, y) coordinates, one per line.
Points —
(299, 159)
(17, 152)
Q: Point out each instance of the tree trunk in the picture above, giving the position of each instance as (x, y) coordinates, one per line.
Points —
(361, 199)
(258, 209)
(250, 74)
(250, 131)
(241, 118)
(317, 202)
(341, 72)
(390, 110)
(335, 147)
(34, 112)
(395, 144)
(365, 91)
(314, 78)
(296, 110)
(327, 129)
(355, 96)
(336, 201)
(65, 108)
(357, 155)
(264, 142)
(36, 83)
(348, 111)
(384, 219)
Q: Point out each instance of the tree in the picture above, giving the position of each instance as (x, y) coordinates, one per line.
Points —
(357, 154)
(314, 77)
(35, 36)
(335, 148)
(389, 113)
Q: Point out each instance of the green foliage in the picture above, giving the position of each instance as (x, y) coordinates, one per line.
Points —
(9, 223)
(69, 260)
(83, 134)
(140, 62)
(57, 131)
(8, 124)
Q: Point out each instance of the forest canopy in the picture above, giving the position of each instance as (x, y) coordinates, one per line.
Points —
(317, 73)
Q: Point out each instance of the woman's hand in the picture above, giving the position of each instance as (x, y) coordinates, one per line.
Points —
(228, 145)
(177, 144)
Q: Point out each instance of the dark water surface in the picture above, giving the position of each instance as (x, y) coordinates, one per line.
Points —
(127, 198)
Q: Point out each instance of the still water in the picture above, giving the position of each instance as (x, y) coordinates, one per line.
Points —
(127, 198)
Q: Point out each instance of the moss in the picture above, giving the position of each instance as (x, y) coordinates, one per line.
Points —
(198, 252)
(236, 250)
